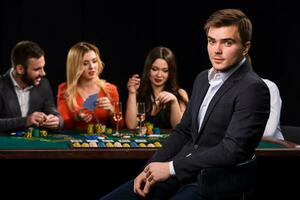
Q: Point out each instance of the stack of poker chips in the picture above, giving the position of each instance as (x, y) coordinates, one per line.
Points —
(100, 129)
(28, 133)
(156, 130)
(36, 132)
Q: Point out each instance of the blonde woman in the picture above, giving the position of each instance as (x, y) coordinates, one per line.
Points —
(84, 67)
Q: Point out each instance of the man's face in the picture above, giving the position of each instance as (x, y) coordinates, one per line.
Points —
(225, 47)
(34, 72)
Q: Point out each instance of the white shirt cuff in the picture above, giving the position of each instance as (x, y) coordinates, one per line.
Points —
(171, 169)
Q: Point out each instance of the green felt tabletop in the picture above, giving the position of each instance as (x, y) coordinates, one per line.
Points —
(60, 140)
(54, 141)
(267, 145)
(63, 141)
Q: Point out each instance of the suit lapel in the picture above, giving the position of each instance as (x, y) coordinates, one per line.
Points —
(11, 96)
(227, 85)
(202, 88)
(224, 88)
(33, 99)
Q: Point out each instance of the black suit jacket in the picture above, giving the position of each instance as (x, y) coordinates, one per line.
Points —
(232, 127)
(41, 99)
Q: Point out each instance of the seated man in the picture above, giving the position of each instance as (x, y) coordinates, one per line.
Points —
(272, 129)
(223, 122)
(26, 99)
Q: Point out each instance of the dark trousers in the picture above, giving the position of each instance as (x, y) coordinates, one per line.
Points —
(169, 189)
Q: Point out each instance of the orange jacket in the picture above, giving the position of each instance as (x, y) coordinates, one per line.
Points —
(70, 122)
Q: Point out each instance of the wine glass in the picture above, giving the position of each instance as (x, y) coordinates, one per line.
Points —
(141, 114)
(117, 115)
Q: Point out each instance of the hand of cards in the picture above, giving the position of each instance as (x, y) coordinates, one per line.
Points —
(90, 102)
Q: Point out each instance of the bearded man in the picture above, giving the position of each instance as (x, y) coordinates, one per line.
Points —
(26, 98)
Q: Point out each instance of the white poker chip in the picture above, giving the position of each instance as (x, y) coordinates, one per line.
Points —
(140, 141)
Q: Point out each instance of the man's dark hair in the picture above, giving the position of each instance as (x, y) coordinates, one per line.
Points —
(23, 51)
(229, 17)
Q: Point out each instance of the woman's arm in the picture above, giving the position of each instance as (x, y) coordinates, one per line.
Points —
(131, 110)
(63, 109)
(177, 107)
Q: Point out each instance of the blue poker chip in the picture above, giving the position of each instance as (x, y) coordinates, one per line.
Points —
(133, 144)
(19, 133)
(156, 130)
(91, 137)
(101, 144)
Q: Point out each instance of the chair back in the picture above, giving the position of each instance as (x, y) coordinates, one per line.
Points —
(291, 133)
(233, 181)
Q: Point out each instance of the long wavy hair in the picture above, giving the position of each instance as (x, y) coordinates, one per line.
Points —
(146, 92)
(75, 70)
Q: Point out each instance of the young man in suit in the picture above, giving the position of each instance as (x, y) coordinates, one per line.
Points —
(222, 125)
(26, 98)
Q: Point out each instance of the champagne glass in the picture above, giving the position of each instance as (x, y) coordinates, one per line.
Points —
(117, 115)
(141, 114)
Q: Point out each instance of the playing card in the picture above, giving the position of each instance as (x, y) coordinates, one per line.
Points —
(90, 102)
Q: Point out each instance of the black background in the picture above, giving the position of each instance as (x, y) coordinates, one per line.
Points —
(90, 179)
(125, 31)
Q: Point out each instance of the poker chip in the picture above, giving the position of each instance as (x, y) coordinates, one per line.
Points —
(156, 130)
(133, 144)
(102, 145)
(126, 145)
(19, 134)
(91, 137)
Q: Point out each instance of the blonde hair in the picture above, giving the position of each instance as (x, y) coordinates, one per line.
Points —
(75, 69)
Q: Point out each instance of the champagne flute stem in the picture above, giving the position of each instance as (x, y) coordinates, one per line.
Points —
(140, 125)
(117, 127)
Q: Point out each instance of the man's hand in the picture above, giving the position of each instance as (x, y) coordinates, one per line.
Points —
(139, 182)
(153, 173)
(35, 119)
(157, 172)
(51, 122)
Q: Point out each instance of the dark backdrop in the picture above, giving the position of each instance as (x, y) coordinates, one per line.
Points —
(125, 31)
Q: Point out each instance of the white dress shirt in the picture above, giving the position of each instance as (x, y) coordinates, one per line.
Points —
(22, 94)
(216, 80)
(272, 129)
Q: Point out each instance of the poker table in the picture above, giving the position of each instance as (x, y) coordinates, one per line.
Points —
(59, 146)
(52, 160)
